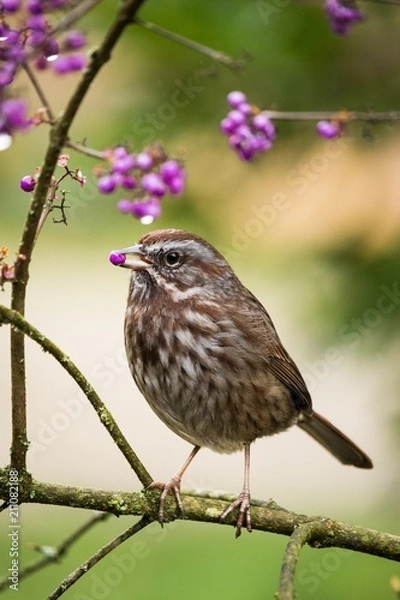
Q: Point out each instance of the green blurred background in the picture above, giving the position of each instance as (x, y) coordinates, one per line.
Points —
(312, 228)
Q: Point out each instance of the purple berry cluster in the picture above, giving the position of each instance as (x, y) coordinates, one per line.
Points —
(343, 14)
(26, 34)
(147, 177)
(249, 131)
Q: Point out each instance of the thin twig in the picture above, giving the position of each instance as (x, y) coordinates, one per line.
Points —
(316, 115)
(393, 2)
(38, 89)
(220, 57)
(55, 554)
(300, 536)
(99, 154)
(17, 322)
(74, 15)
(98, 556)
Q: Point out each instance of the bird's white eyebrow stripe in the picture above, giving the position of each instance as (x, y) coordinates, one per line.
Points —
(172, 245)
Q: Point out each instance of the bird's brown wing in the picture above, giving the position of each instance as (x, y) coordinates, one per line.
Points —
(276, 356)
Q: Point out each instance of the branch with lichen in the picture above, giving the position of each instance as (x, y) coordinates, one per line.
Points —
(316, 531)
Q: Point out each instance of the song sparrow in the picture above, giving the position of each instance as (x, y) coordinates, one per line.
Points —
(205, 354)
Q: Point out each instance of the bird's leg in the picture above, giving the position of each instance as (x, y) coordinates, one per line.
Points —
(243, 501)
(174, 485)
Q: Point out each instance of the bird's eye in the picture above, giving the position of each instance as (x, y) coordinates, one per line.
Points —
(172, 258)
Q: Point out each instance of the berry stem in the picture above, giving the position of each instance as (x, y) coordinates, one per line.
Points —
(38, 89)
(353, 115)
(220, 57)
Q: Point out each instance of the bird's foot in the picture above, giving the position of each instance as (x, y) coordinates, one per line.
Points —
(174, 486)
(243, 503)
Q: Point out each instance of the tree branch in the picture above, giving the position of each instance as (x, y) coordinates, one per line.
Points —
(265, 516)
(301, 535)
(98, 556)
(220, 57)
(57, 139)
(329, 115)
(18, 323)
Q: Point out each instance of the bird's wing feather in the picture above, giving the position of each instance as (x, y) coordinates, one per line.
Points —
(277, 359)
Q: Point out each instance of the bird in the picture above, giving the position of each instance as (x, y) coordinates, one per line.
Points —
(206, 356)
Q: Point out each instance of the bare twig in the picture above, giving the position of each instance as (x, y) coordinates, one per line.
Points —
(55, 554)
(317, 115)
(18, 323)
(99, 154)
(98, 556)
(74, 15)
(38, 89)
(220, 57)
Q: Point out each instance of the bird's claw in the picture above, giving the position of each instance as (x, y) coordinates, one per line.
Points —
(174, 486)
(243, 503)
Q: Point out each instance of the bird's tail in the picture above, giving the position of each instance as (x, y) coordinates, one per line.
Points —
(334, 440)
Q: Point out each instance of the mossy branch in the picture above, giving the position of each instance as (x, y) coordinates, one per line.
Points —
(207, 508)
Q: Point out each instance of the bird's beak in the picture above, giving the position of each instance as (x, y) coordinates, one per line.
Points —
(130, 258)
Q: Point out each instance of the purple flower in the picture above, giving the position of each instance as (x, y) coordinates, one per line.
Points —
(169, 170)
(66, 63)
(51, 49)
(116, 258)
(7, 72)
(144, 161)
(147, 210)
(236, 98)
(123, 164)
(74, 39)
(150, 175)
(128, 182)
(106, 184)
(13, 115)
(329, 130)
(153, 183)
(62, 64)
(77, 62)
(247, 133)
(342, 15)
(27, 183)
(125, 206)
(264, 124)
(10, 5)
